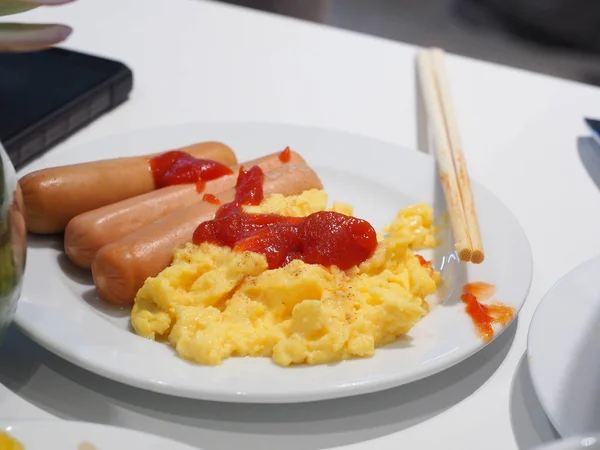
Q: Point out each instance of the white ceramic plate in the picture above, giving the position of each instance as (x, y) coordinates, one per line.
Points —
(564, 351)
(64, 435)
(59, 308)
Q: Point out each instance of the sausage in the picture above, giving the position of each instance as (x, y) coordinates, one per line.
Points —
(55, 195)
(89, 232)
(120, 269)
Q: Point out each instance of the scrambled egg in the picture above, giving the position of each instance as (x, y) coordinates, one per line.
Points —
(8, 443)
(213, 303)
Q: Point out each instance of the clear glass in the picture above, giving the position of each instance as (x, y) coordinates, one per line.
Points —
(13, 241)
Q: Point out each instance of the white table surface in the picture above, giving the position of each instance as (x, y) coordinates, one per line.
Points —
(198, 61)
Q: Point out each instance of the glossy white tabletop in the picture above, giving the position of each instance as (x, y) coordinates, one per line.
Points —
(524, 138)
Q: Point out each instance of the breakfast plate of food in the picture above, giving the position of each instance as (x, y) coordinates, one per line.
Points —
(68, 435)
(241, 262)
(562, 346)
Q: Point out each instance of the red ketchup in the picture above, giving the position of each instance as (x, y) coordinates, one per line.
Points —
(285, 155)
(484, 316)
(176, 167)
(423, 261)
(326, 238)
(210, 198)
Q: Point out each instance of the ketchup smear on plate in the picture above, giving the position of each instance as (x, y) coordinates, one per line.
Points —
(177, 167)
(285, 155)
(423, 261)
(327, 238)
(484, 316)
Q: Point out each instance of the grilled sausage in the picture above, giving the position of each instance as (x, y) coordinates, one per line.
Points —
(55, 195)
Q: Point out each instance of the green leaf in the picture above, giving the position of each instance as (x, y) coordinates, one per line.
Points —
(45, 2)
(17, 37)
(8, 7)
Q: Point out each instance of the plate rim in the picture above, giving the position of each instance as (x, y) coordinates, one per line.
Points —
(530, 365)
(33, 163)
(339, 391)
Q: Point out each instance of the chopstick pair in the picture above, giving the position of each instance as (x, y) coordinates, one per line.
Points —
(449, 155)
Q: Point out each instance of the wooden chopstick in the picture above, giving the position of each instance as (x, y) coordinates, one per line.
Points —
(453, 172)
(460, 166)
